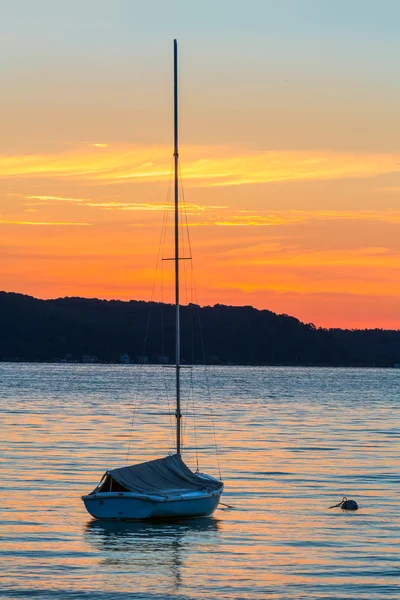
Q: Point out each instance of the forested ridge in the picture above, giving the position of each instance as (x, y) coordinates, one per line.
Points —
(92, 330)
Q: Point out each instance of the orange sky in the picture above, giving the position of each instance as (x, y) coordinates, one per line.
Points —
(291, 167)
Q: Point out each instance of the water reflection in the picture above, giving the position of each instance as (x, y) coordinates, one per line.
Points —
(159, 547)
(293, 441)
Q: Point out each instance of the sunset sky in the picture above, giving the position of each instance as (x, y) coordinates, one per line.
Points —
(290, 151)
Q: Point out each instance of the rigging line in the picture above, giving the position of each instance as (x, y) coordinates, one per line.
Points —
(192, 278)
(169, 209)
(163, 352)
(184, 277)
(183, 327)
(164, 377)
(168, 205)
(194, 422)
(185, 229)
(213, 422)
(206, 368)
(185, 418)
(164, 380)
(192, 323)
(169, 408)
(148, 318)
(162, 308)
(209, 396)
(201, 332)
(228, 506)
(185, 212)
(182, 233)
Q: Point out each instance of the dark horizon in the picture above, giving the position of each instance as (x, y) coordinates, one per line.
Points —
(200, 305)
(75, 328)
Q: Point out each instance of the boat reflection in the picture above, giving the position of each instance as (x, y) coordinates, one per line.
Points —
(159, 547)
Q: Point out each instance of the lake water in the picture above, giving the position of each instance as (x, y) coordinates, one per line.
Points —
(292, 442)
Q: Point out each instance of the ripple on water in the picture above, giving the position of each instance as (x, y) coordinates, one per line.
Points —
(291, 445)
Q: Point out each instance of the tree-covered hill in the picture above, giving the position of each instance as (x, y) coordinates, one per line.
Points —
(80, 329)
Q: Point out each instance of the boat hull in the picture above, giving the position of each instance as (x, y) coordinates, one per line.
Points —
(134, 507)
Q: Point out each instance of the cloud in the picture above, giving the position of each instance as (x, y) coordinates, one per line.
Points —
(302, 216)
(257, 220)
(246, 218)
(190, 208)
(46, 223)
(202, 166)
(297, 257)
(56, 198)
(384, 215)
(224, 216)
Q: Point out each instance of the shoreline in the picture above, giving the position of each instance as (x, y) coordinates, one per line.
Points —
(188, 365)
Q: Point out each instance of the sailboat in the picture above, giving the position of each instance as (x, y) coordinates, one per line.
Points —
(164, 488)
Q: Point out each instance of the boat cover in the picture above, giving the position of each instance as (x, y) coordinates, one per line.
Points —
(163, 476)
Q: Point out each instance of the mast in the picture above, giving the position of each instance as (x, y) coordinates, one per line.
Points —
(177, 315)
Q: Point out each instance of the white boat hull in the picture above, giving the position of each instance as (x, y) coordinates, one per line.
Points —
(128, 506)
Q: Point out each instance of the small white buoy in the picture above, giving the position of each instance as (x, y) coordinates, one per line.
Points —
(346, 504)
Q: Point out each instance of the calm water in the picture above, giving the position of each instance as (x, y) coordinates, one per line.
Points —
(292, 442)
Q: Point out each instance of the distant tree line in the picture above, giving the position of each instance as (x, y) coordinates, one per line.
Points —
(91, 330)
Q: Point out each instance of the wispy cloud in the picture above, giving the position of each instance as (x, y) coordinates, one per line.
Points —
(45, 223)
(297, 257)
(202, 166)
(257, 220)
(241, 218)
(190, 208)
(57, 199)
(384, 215)
(202, 215)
